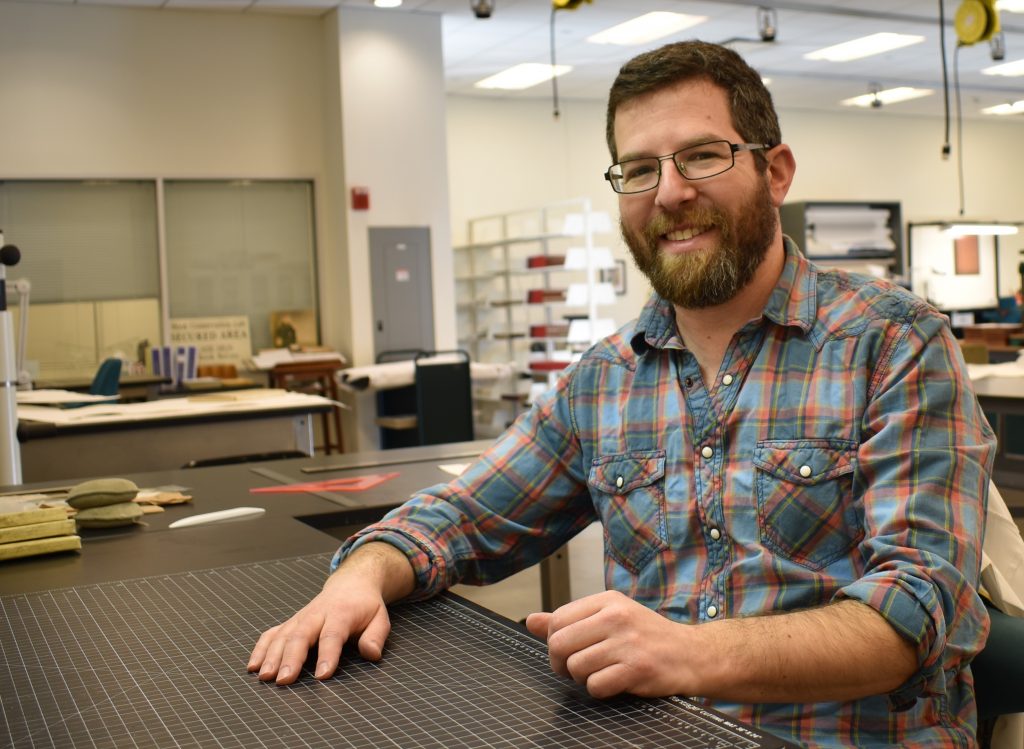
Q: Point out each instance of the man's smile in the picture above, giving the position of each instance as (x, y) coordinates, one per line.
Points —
(681, 235)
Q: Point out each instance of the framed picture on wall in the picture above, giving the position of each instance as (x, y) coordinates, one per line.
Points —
(616, 277)
(966, 261)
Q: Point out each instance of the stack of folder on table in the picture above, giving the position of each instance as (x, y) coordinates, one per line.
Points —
(32, 532)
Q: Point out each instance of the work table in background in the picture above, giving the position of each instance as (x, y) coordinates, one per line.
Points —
(118, 438)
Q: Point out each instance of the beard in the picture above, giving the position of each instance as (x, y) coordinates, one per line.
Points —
(711, 276)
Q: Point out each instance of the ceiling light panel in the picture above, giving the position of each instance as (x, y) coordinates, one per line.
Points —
(522, 76)
(646, 28)
(1007, 68)
(1016, 107)
(888, 96)
(866, 46)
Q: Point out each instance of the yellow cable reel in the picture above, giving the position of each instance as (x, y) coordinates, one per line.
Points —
(568, 4)
(976, 21)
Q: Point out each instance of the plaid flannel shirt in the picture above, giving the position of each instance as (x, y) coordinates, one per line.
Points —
(839, 453)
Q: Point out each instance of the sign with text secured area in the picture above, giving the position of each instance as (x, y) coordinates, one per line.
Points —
(219, 340)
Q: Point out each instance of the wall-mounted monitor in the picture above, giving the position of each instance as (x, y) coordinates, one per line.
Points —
(953, 272)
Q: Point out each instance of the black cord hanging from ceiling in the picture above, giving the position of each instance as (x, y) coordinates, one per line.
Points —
(945, 76)
(554, 78)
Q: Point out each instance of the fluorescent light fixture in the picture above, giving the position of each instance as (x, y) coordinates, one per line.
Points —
(646, 28)
(1016, 107)
(523, 76)
(875, 44)
(1011, 6)
(968, 230)
(888, 96)
(1007, 68)
(387, 3)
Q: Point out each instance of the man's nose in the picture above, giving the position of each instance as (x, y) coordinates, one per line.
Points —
(673, 189)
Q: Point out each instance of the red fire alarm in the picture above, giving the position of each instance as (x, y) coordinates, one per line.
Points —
(360, 198)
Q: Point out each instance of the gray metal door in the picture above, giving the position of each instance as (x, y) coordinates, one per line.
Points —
(403, 311)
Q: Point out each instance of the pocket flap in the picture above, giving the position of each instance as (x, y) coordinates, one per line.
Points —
(620, 474)
(806, 461)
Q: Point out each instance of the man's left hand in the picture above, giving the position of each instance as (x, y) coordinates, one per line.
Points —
(612, 644)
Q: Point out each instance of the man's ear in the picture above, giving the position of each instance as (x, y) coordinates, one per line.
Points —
(781, 170)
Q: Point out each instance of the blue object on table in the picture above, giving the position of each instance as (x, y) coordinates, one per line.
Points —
(108, 378)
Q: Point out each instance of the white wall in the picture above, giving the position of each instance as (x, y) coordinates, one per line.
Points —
(507, 155)
(96, 91)
(393, 130)
(355, 97)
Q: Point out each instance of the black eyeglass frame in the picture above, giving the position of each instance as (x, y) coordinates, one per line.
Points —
(734, 148)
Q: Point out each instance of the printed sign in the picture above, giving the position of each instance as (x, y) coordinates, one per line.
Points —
(219, 340)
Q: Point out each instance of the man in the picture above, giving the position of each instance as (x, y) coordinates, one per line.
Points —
(789, 465)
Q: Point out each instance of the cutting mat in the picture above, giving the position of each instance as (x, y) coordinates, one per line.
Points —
(160, 662)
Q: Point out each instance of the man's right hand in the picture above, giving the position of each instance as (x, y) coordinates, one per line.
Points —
(352, 604)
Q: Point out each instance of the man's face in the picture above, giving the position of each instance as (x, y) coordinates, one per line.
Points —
(699, 242)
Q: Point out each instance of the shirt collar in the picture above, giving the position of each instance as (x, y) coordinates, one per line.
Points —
(792, 302)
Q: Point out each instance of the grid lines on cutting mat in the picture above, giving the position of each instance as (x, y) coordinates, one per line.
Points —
(160, 662)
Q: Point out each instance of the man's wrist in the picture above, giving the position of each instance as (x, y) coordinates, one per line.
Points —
(381, 565)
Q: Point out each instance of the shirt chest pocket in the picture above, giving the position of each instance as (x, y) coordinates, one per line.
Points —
(805, 502)
(628, 491)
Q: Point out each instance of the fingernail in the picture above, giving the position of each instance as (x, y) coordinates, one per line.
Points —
(283, 672)
(321, 669)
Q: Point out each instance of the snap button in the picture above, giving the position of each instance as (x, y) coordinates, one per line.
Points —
(712, 611)
(619, 482)
(706, 451)
(688, 382)
(715, 534)
(805, 471)
(727, 380)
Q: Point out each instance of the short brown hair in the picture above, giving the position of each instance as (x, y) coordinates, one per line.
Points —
(753, 114)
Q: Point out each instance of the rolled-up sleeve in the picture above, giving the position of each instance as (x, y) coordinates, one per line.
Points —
(517, 503)
(924, 469)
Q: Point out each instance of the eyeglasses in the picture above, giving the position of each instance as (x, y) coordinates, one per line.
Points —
(693, 162)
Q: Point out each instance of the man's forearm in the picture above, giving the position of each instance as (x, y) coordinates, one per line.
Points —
(842, 651)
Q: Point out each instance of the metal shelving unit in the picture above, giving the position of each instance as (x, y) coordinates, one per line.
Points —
(513, 278)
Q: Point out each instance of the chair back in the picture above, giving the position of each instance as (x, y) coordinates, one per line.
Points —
(108, 378)
(444, 397)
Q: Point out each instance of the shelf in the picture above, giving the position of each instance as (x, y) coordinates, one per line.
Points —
(510, 241)
(527, 281)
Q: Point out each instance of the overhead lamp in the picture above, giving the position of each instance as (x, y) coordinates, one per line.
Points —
(387, 3)
(1010, 6)
(875, 44)
(876, 98)
(1015, 107)
(522, 76)
(646, 28)
(997, 46)
(968, 230)
(767, 24)
(1007, 68)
